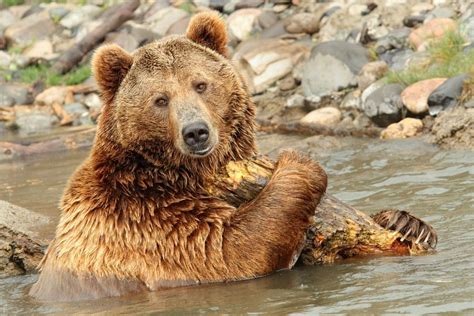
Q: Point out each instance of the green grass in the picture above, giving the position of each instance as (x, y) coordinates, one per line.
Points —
(32, 74)
(446, 59)
(10, 3)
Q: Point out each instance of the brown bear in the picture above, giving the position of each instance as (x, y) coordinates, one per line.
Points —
(135, 215)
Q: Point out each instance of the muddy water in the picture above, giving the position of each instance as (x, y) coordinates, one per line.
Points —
(436, 185)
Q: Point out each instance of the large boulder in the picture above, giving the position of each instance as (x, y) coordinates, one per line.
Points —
(32, 28)
(333, 66)
(264, 62)
(20, 250)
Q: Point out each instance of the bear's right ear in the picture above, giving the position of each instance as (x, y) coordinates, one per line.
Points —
(110, 65)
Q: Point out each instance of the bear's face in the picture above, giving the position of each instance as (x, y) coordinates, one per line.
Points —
(178, 99)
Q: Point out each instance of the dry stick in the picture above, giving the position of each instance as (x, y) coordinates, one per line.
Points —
(75, 54)
(337, 229)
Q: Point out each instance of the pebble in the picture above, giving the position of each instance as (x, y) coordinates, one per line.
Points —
(406, 128)
(327, 116)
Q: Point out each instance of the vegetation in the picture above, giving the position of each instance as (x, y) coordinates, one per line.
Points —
(32, 74)
(445, 59)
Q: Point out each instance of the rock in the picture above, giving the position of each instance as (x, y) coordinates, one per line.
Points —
(80, 15)
(179, 27)
(414, 20)
(53, 95)
(57, 13)
(122, 39)
(406, 128)
(302, 23)
(446, 95)
(162, 20)
(92, 101)
(352, 100)
(241, 23)
(140, 32)
(454, 129)
(20, 94)
(328, 116)
(5, 60)
(396, 39)
(415, 97)
(30, 122)
(6, 19)
(40, 50)
(441, 12)
(264, 62)
(244, 4)
(20, 250)
(384, 105)
(333, 66)
(295, 100)
(433, 29)
(32, 28)
(267, 19)
(287, 83)
(370, 73)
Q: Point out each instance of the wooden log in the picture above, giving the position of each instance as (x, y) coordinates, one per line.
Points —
(337, 230)
(74, 54)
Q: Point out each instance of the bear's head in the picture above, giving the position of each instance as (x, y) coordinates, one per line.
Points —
(178, 101)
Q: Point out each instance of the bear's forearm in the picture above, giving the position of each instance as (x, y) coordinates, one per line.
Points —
(283, 208)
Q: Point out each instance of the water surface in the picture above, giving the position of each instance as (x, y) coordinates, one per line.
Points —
(436, 185)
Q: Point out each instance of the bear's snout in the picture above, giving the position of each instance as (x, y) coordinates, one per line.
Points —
(196, 136)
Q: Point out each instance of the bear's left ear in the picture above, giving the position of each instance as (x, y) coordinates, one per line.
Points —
(208, 29)
(110, 65)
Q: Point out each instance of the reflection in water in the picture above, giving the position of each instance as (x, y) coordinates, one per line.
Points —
(437, 185)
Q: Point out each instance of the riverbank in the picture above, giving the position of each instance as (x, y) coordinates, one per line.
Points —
(386, 69)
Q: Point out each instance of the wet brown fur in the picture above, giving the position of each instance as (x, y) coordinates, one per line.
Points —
(135, 214)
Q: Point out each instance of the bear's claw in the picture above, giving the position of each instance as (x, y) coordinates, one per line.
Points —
(412, 228)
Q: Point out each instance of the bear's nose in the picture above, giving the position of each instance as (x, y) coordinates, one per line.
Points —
(195, 135)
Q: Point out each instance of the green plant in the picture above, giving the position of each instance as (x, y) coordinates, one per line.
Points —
(446, 59)
(32, 74)
(10, 3)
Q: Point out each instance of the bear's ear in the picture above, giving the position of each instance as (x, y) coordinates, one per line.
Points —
(110, 65)
(208, 29)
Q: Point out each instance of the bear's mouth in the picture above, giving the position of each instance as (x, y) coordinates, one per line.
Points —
(202, 152)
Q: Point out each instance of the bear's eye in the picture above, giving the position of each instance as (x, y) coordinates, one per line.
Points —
(201, 87)
(161, 101)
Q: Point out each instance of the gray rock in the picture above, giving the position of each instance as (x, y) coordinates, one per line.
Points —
(469, 104)
(333, 66)
(75, 108)
(267, 19)
(244, 4)
(5, 60)
(446, 95)
(34, 121)
(20, 251)
(162, 20)
(79, 16)
(441, 12)
(140, 33)
(32, 28)
(396, 39)
(57, 13)
(384, 105)
(20, 94)
(122, 39)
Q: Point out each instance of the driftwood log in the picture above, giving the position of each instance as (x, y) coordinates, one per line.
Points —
(117, 17)
(337, 230)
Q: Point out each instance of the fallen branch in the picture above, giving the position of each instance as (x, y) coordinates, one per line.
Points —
(74, 54)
